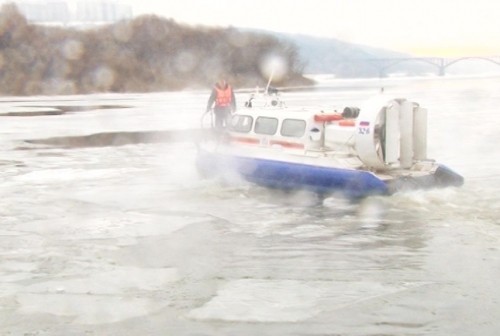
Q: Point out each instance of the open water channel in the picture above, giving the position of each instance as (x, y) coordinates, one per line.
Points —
(107, 229)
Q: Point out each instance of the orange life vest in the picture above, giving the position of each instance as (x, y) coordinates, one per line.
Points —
(223, 98)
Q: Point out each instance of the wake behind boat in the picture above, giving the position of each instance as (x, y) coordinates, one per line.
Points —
(378, 149)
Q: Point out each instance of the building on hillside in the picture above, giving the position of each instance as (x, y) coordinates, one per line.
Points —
(73, 12)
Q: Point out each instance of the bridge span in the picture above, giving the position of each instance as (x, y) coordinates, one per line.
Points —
(441, 63)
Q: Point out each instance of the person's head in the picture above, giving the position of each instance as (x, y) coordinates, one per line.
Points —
(221, 81)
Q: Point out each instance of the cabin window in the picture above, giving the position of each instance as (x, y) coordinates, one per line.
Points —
(241, 123)
(293, 128)
(266, 125)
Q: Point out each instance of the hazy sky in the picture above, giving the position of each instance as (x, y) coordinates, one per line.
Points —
(421, 27)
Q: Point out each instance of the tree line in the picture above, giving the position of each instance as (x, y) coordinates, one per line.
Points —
(145, 54)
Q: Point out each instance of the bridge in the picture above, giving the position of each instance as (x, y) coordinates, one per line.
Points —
(441, 63)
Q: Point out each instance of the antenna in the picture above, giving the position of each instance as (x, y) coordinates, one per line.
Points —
(269, 82)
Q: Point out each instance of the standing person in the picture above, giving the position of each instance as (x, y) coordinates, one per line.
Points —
(223, 102)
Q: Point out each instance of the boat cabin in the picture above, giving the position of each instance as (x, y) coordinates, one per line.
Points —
(298, 129)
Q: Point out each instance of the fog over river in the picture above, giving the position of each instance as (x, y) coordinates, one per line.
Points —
(107, 229)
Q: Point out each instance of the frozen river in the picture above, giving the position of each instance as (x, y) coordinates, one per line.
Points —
(106, 228)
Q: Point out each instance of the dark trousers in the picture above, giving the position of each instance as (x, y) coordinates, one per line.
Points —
(222, 115)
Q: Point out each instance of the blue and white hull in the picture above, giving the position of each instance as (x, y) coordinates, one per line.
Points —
(324, 181)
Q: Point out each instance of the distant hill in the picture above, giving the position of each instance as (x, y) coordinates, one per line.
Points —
(333, 56)
(348, 60)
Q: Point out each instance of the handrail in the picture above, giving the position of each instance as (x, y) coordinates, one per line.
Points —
(204, 115)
